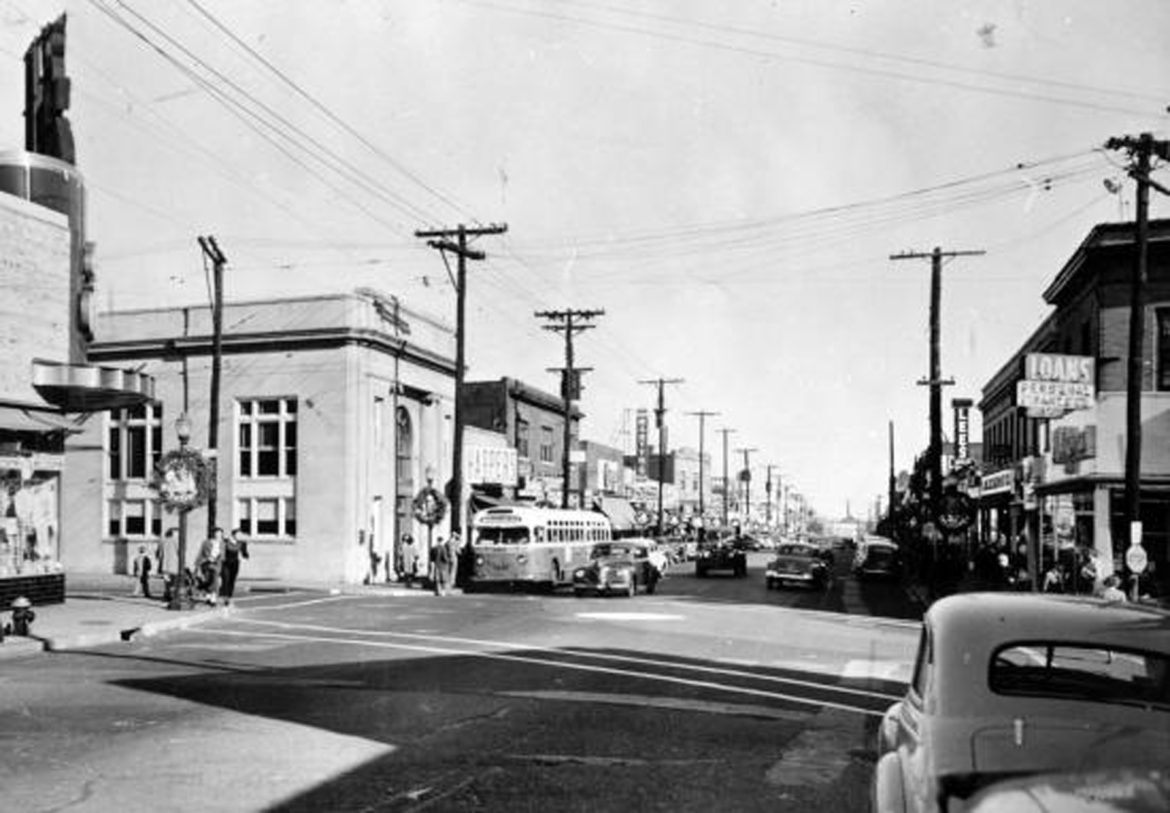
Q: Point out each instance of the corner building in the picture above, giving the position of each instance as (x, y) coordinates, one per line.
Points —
(335, 410)
(1059, 483)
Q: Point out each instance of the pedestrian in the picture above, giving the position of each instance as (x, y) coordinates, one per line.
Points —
(209, 564)
(1053, 579)
(441, 566)
(142, 568)
(235, 547)
(1112, 589)
(409, 560)
(456, 546)
(168, 562)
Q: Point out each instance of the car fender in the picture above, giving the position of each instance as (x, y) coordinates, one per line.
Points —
(888, 793)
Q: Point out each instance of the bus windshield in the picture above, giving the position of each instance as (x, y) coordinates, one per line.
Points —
(502, 536)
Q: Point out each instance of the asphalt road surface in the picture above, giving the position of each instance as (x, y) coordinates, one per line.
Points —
(714, 694)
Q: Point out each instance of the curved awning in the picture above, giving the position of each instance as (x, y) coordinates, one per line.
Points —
(89, 388)
(619, 511)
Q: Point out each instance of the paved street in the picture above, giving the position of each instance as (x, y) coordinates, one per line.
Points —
(713, 694)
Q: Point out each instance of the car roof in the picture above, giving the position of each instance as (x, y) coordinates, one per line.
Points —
(966, 629)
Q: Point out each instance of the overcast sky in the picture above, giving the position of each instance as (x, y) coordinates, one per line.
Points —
(727, 181)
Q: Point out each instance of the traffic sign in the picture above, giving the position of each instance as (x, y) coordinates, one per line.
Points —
(1136, 559)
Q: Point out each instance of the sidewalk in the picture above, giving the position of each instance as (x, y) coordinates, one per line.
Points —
(99, 609)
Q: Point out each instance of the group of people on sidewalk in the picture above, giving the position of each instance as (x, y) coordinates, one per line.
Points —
(212, 577)
(441, 563)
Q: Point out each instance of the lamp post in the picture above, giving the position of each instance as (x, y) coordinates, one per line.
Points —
(183, 430)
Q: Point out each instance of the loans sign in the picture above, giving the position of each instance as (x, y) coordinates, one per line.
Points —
(1056, 384)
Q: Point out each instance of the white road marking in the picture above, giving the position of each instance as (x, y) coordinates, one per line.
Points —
(581, 667)
(308, 602)
(877, 670)
(642, 700)
(623, 616)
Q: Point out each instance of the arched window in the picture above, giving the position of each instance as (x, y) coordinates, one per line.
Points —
(404, 470)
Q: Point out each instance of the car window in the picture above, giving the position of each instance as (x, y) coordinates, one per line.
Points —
(921, 663)
(1081, 671)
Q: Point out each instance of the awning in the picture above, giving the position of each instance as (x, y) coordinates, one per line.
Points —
(619, 511)
(89, 388)
(26, 419)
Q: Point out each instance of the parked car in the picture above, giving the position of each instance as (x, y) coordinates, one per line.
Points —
(797, 563)
(1007, 685)
(721, 554)
(1110, 791)
(877, 558)
(620, 567)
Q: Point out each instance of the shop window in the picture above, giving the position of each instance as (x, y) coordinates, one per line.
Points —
(267, 438)
(1163, 369)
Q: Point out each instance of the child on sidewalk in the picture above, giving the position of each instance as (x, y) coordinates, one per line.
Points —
(142, 568)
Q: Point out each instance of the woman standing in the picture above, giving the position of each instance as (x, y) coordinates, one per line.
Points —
(234, 547)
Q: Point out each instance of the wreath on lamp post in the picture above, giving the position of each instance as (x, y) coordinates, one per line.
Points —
(430, 506)
(182, 479)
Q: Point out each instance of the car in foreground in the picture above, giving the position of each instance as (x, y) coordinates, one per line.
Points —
(1009, 685)
(797, 563)
(727, 553)
(1110, 791)
(620, 567)
(877, 558)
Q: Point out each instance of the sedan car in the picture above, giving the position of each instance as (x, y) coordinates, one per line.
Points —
(797, 563)
(1007, 685)
(619, 567)
(877, 558)
(722, 554)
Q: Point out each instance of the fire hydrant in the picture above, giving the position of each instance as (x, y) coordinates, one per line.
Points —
(22, 616)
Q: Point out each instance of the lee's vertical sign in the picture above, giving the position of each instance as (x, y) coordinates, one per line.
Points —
(641, 440)
(962, 408)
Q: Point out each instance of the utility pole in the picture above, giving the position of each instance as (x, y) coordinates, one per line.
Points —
(1140, 150)
(747, 483)
(725, 433)
(441, 239)
(893, 484)
(936, 381)
(660, 422)
(211, 252)
(570, 379)
(703, 415)
(768, 489)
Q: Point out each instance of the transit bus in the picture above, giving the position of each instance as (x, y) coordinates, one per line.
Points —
(523, 544)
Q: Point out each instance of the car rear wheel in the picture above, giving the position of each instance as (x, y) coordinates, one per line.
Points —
(579, 592)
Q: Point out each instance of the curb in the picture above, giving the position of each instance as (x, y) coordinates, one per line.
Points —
(87, 640)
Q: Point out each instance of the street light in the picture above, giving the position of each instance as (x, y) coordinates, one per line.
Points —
(183, 430)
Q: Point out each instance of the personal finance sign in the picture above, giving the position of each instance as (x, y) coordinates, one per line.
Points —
(1056, 384)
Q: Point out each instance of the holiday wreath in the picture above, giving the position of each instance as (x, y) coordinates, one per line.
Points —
(430, 506)
(182, 479)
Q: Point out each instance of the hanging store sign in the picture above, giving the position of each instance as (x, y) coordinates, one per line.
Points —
(641, 438)
(962, 408)
(491, 465)
(998, 482)
(1055, 384)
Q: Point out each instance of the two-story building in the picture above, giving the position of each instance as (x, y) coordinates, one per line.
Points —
(533, 421)
(335, 411)
(1054, 416)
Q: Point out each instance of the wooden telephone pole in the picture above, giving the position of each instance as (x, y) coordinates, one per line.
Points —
(570, 380)
(218, 260)
(441, 239)
(660, 420)
(1140, 150)
(703, 415)
(936, 381)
